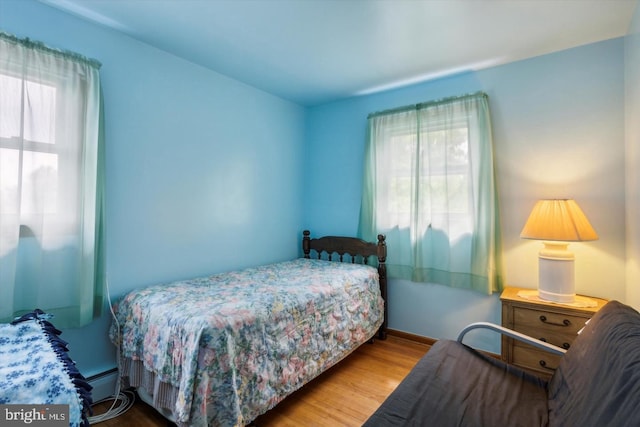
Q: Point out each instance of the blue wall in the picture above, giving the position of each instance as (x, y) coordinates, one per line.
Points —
(203, 172)
(558, 123)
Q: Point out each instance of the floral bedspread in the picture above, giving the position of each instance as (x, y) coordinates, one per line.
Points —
(36, 370)
(235, 344)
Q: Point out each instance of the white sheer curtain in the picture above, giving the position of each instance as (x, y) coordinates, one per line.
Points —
(50, 182)
(429, 186)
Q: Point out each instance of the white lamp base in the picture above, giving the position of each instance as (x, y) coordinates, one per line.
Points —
(556, 281)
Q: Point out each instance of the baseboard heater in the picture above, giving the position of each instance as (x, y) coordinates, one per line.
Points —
(104, 384)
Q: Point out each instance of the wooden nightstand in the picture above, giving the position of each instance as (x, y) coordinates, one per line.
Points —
(557, 324)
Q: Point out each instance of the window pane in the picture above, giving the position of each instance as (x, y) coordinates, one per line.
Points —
(40, 113)
(458, 146)
(445, 193)
(444, 185)
(399, 201)
(401, 161)
(9, 181)
(40, 183)
(39, 110)
(10, 103)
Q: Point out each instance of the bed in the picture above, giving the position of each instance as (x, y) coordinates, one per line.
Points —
(39, 383)
(224, 349)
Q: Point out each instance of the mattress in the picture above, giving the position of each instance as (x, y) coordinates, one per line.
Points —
(223, 349)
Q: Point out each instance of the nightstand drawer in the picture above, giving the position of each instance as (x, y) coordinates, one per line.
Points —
(555, 328)
(557, 324)
(532, 358)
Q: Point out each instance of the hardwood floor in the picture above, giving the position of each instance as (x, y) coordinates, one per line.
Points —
(345, 395)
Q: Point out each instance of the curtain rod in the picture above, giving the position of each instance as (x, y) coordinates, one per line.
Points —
(27, 42)
(427, 104)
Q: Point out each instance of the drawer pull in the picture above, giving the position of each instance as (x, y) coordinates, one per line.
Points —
(565, 345)
(565, 322)
(544, 365)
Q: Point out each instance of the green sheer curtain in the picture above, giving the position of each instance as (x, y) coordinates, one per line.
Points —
(51, 183)
(429, 185)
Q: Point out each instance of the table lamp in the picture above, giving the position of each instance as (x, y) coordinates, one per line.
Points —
(557, 222)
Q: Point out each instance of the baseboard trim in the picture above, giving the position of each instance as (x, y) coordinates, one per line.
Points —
(411, 337)
(104, 384)
(429, 341)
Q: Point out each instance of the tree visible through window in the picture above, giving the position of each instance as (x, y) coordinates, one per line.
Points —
(429, 186)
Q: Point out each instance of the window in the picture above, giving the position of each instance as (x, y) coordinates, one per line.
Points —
(442, 186)
(50, 183)
(429, 186)
(28, 151)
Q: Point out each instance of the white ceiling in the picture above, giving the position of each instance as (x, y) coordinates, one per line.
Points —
(316, 51)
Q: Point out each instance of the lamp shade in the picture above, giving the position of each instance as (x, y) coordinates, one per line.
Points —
(558, 219)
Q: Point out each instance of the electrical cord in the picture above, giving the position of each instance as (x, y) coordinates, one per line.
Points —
(126, 398)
